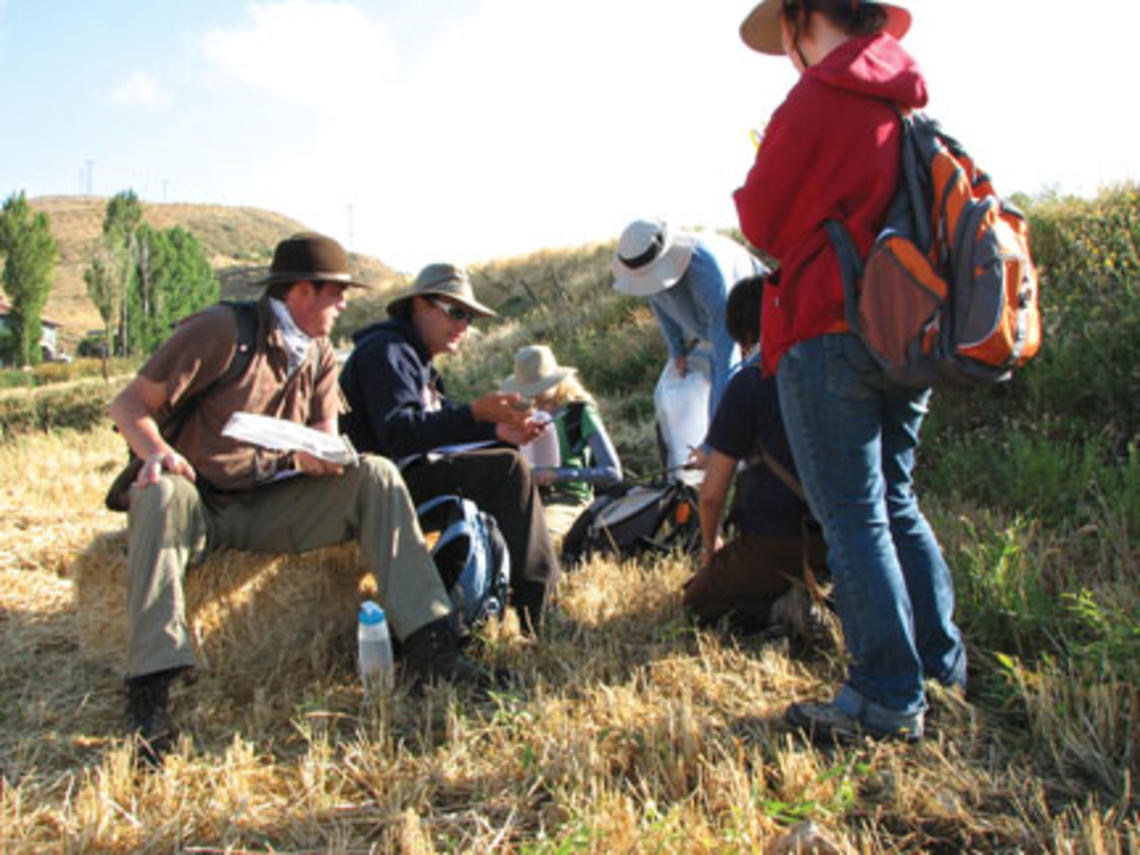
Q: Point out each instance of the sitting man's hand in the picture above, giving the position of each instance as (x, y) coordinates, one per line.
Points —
(163, 461)
(544, 476)
(500, 408)
(522, 433)
(310, 465)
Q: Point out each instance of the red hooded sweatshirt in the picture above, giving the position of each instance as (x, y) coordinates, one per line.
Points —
(830, 152)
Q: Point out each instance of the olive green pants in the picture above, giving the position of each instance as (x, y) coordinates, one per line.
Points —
(172, 525)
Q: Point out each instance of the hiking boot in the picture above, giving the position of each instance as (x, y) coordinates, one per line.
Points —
(435, 652)
(527, 599)
(148, 716)
(812, 629)
(826, 723)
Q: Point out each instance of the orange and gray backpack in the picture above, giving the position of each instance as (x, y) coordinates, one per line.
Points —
(948, 291)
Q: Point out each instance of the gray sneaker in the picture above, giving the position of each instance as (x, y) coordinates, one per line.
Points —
(825, 723)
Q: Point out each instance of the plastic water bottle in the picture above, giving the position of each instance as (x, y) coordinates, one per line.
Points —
(374, 649)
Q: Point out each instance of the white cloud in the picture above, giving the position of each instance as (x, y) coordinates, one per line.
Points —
(141, 89)
(329, 54)
(529, 129)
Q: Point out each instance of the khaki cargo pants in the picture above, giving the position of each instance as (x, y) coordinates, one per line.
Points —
(172, 526)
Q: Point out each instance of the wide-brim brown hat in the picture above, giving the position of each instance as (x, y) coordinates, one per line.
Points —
(536, 370)
(443, 280)
(310, 257)
(761, 29)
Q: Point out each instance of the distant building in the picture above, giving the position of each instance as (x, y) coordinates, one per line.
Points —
(49, 342)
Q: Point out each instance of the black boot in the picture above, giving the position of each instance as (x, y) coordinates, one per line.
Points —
(148, 715)
(434, 652)
(527, 599)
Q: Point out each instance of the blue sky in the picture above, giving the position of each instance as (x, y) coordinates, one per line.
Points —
(472, 129)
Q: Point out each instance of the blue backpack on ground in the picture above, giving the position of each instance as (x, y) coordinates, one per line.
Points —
(470, 554)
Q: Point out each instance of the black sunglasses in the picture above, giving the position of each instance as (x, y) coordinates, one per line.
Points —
(456, 313)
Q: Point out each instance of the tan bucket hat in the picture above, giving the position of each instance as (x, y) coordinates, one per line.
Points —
(761, 29)
(443, 280)
(309, 257)
(536, 370)
(650, 257)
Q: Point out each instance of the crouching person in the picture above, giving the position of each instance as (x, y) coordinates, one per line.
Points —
(755, 578)
(202, 491)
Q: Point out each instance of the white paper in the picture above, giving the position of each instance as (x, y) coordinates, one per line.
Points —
(460, 447)
(282, 435)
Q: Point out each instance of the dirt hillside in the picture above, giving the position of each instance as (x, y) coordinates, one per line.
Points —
(239, 242)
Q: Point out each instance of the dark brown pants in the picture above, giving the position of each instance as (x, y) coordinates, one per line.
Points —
(744, 578)
(499, 481)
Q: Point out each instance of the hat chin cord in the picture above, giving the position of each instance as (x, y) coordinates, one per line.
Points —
(800, 53)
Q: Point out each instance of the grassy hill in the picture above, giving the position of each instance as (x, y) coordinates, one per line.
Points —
(238, 241)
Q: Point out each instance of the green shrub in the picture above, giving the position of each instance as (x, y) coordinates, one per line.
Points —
(1073, 412)
(80, 406)
(49, 373)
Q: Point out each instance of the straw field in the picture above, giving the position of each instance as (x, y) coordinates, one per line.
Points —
(632, 732)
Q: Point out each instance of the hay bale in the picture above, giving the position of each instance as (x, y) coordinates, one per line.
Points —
(249, 613)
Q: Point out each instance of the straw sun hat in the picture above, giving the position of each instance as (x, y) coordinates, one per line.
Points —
(536, 370)
(761, 29)
(443, 280)
(650, 257)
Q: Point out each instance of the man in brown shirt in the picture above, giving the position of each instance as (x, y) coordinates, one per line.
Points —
(203, 491)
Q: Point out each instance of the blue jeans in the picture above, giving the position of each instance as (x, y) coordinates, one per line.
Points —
(853, 436)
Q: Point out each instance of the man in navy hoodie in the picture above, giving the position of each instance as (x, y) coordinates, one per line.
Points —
(398, 408)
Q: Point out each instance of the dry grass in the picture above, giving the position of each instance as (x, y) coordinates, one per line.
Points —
(634, 732)
(237, 604)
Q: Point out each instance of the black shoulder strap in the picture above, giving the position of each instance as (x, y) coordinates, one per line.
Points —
(245, 313)
(574, 413)
(762, 455)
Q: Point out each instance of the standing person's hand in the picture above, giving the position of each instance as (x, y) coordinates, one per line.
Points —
(681, 364)
(698, 458)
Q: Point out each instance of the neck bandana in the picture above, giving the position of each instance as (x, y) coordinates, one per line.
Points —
(297, 342)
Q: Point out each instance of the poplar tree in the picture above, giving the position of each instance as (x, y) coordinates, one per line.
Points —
(173, 279)
(29, 253)
(121, 222)
(143, 280)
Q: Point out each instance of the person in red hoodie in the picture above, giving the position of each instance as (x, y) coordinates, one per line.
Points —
(831, 151)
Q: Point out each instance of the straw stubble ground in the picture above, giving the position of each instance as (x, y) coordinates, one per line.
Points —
(632, 732)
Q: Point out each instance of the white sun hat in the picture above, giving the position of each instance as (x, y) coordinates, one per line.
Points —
(650, 257)
(536, 370)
